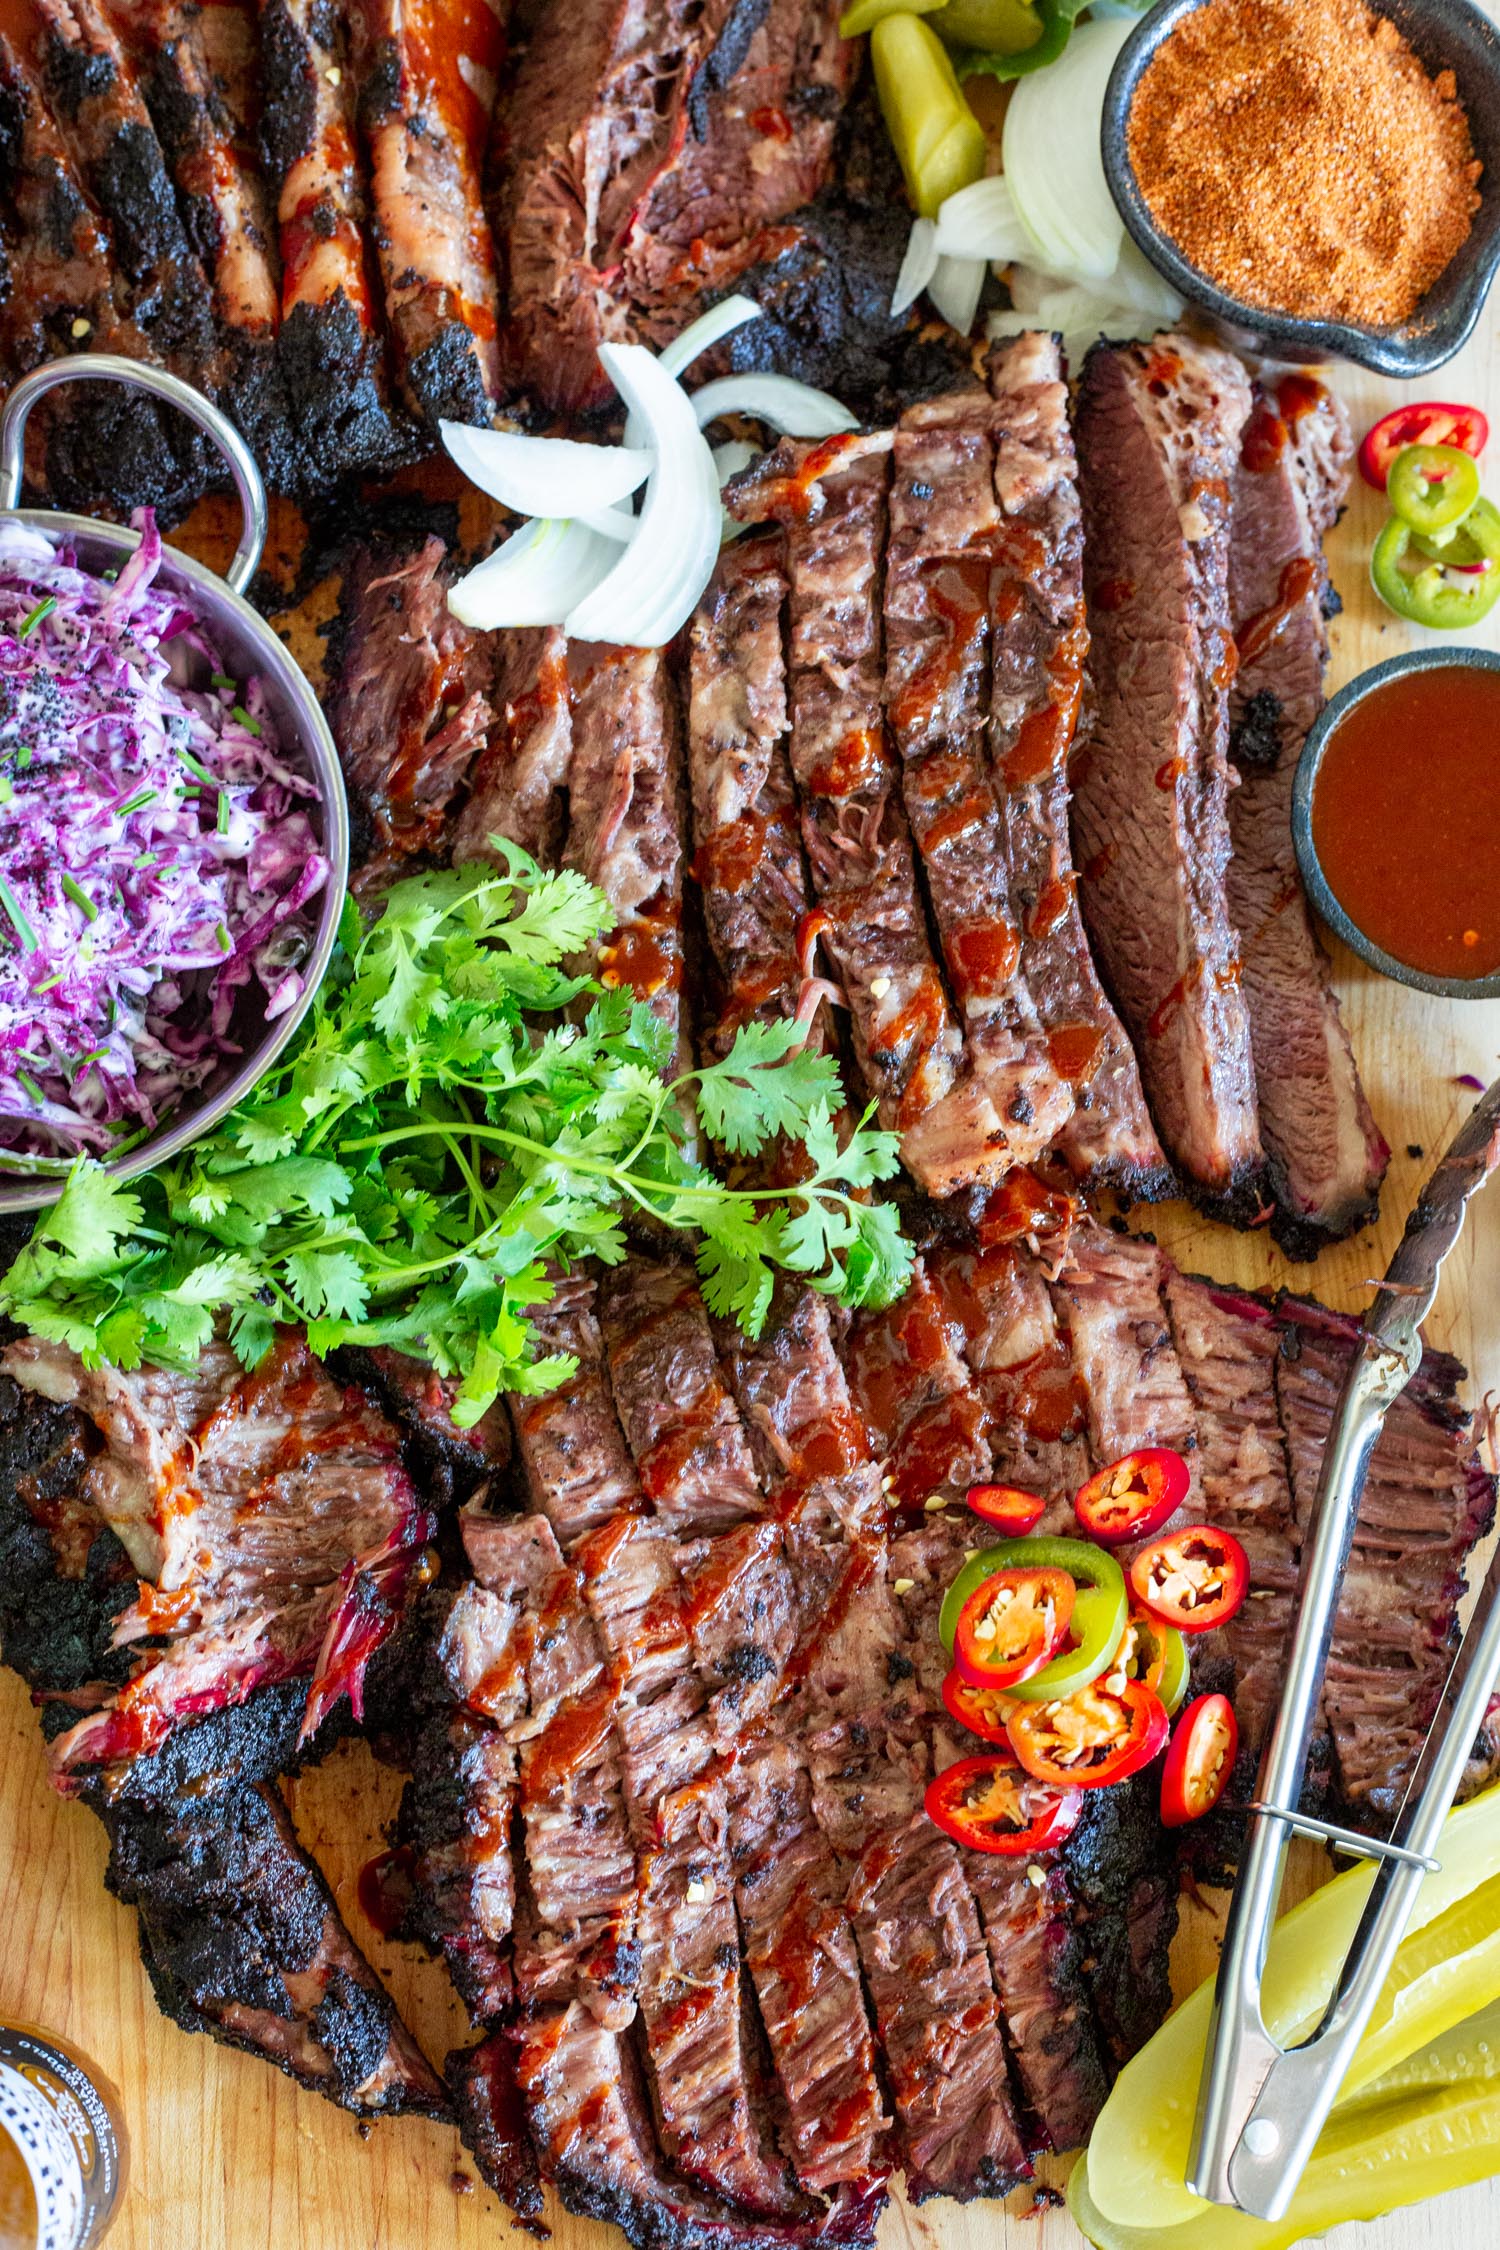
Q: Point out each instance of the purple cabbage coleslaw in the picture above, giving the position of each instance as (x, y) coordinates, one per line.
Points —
(156, 851)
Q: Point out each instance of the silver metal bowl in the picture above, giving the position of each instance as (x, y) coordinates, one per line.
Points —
(1447, 35)
(249, 646)
(1314, 880)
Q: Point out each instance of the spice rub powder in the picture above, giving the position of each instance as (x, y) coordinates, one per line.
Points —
(1298, 153)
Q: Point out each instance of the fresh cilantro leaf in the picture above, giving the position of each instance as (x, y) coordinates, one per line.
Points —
(439, 1138)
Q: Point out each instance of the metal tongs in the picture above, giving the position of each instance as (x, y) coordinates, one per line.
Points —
(1261, 2107)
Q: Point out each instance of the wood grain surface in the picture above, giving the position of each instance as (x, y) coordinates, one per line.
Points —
(227, 2155)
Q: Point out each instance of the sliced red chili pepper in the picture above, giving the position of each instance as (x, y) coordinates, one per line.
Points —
(1089, 1739)
(990, 1805)
(1425, 422)
(1192, 1578)
(1200, 1761)
(1012, 1624)
(1007, 1507)
(981, 1710)
(1134, 1496)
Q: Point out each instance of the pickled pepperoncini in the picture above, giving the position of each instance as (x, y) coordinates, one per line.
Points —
(937, 137)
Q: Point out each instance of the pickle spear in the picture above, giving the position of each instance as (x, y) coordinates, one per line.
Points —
(937, 137)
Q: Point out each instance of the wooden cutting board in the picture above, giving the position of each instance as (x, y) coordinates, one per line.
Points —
(228, 2155)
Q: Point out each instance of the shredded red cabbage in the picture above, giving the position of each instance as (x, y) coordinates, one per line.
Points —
(156, 851)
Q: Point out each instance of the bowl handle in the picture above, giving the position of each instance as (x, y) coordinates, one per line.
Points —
(104, 367)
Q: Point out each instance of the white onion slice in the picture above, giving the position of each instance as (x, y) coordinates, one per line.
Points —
(729, 459)
(917, 267)
(981, 222)
(955, 289)
(796, 409)
(1135, 281)
(733, 456)
(709, 328)
(535, 578)
(610, 523)
(540, 476)
(1052, 159)
(720, 320)
(654, 585)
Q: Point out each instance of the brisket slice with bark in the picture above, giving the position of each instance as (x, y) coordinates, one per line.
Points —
(644, 156)
(1040, 644)
(159, 283)
(60, 293)
(270, 1524)
(627, 820)
(241, 1938)
(331, 344)
(945, 525)
(832, 499)
(408, 712)
(199, 71)
(747, 858)
(426, 87)
(1325, 1152)
(1158, 429)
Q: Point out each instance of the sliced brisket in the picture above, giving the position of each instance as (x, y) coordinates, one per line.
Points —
(454, 1829)
(627, 820)
(159, 282)
(1325, 1151)
(1040, 644)
(517, 783)
(945, 524)
(748, 850)
(270, 1523)
(426, 91)
(241, 1938)
(832, 498)
(644, 156)
(1425, 1503)
(199, 71)
(407, 713)
(1158, 430)
(331, 344)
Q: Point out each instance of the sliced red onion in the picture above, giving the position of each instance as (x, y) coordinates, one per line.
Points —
(543, 476)
(654, 585)
(535, 577)
(917, 267)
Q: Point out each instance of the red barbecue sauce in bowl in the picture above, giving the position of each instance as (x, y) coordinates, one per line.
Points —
(1406, 817)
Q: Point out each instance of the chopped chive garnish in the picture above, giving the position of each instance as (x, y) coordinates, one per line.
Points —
(32, 1088)
(252, 726)
(134, 804)
(49, 982)
(30, 624)
(23, 757)
(223, 939)
(12, 906)
(96, 1054)
(223, 817)
(145, 859)
(221, 679)
(194, 767)
(7, 789)
(80, 898)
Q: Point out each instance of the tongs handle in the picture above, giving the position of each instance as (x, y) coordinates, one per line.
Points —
(1261, 2107)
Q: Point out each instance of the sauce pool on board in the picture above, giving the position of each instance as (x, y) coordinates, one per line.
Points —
(1406, 818)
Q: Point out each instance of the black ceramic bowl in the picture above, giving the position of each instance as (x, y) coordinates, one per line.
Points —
(1313, 878)
(1447, 35)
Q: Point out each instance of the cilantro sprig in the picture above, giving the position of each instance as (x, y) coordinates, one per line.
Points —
(458, 1110)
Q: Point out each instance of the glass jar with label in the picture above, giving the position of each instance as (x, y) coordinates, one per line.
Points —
(62, 2145)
